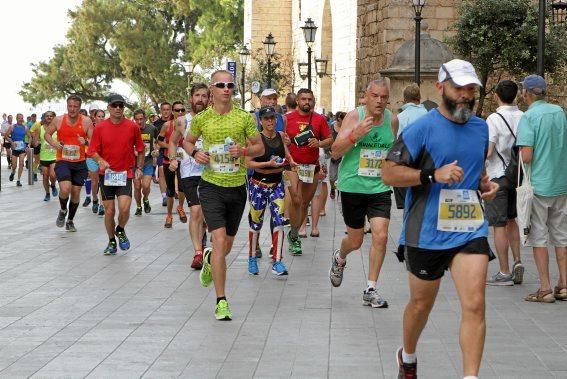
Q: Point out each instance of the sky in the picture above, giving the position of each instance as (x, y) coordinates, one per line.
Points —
(30, 29)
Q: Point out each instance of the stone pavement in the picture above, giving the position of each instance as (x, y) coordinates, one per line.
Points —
(68, 311)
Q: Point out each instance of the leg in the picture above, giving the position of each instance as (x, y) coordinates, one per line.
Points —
(74, 202)
(124, 203)
(94, 181)
(221, 247)
(146, 185)
(513, 233)
(323, 198)
(138, 192)
(109, 212)
(196, 227)
(316, 209)
(561, 256)
(45, 173)
(20, 161)
(469, 273)
(379, 228)
(501, 244)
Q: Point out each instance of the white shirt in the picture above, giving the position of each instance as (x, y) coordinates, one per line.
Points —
(189, 166)
(499, 134)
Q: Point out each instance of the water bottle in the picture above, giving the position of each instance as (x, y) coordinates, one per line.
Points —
(279, 160)
(228, 141)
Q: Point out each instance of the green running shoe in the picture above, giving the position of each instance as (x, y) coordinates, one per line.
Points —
(222, 312)
(294, 246)
(206, 275)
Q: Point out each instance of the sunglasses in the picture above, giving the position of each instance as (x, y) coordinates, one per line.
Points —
(229, 85)
(117, 105)
(179, 110)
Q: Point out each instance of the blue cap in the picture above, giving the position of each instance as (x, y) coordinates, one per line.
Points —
(535, 84)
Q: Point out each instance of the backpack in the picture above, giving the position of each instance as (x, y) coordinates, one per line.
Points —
(510, 169)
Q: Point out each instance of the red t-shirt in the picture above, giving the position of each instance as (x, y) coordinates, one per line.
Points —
(296, 123)
(116, 144)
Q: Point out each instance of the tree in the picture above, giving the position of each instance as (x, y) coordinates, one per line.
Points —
(501, 36)
(137, 41)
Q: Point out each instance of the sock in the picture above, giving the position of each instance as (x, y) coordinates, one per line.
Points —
(88, 186)
(198, 252)
(340, 261)
(119, 229)
(163, 195)
(72, 209)
(408, 358)
(370, 284)
(294, 233)
(63, 203)
(471, 377)
(220, 298)
(252, 241)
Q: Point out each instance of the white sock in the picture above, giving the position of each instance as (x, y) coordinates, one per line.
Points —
(408, 358)
(163, 195)
(470, 377)
(340, 260)
(370, 284)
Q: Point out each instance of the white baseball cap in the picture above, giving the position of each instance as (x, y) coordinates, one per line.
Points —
(269, 92)
(461, 72)
(93, 107)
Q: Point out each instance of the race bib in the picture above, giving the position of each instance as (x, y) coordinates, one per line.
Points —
(370, 162)
(47, 148)
(18, 145)
(71, 152)
(459, 211)
(306, 172)
(115, 178)
(221, 161)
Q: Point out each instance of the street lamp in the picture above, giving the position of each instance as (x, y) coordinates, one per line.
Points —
(309, 31)
(417, 8)
(270, 48)
(244, 53)
(302, 68)
(321, 67)
(559, 11)
(559, 16)
(189, 70)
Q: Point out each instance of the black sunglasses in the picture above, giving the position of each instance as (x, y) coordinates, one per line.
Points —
(229, 85)
(179, 110)
(117, 105)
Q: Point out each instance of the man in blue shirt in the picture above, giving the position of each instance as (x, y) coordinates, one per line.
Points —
(412, 109)
(440, 157)
(542, 135)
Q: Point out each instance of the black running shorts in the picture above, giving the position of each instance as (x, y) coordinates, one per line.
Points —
(357, 206)
(222, 206)
(111, 192)
(189, 187)
(74, 172)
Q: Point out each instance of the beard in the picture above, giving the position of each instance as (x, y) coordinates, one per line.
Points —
(306, 108)
(461, 114)
(198, 106)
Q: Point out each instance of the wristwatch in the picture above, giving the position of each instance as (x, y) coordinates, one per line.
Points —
(195, 150)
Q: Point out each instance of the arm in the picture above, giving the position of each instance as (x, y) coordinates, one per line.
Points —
(395, 125)
(8, 134)
(288, 156)
(491, 146)
(251, 163)
(161, 136)
(351, 130)
(527, 153)
(189, 146)
(52, 128)
(174, 140)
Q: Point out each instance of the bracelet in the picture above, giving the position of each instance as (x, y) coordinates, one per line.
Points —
(195, 150)
(427, 176)
(351, 139)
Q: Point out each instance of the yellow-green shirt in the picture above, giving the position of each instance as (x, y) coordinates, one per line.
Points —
(214, 128)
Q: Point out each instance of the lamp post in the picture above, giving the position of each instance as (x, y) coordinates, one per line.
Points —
(270, 48)
(559, 11)
(189, 70)
(558, 17)
(417, 8)
(321, 67)
(309, 31)
(244, 53)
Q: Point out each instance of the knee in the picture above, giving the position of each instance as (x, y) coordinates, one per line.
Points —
(474, 306)
(421, 305)
(109, 211)
(380, 238)
(356, 240)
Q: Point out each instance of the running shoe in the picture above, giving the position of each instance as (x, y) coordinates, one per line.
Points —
(147, 207)
(87, 201)
(123, 241)
(138, 211)
(197, 263)
(258, 252)
(35, 177)
(252, 266)
(168, 221)
(336, 270)
(500, 279)
(182, 215)
(164, 202)
(47, 197)
(279, 269)
(12, 176)
(518, 272)
(371, 298)
(101, 210)
(406, 370)
(69, 226)
(54, 191)
(332, 194)
(110, 248)
(61, 218)
(222, 311)
(18, 184)
(206, 275)
(294, 246)
(95, 207)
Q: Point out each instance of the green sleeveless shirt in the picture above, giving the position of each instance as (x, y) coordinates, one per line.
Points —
(47, 152)
(361, 168)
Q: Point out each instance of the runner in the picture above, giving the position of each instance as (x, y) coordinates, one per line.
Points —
(165, 116)
(440, 157)
(143, 184)
(17, 134)
(366, 135)
(7, 145)
(47, 157)
(34, 131)
(308, 131)
(72, 129)
(170, 175)
(190, 171)
(114, 142)
(97, 116)
(222, 190)
(266, 188)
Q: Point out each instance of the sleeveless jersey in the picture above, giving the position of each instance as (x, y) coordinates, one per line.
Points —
(188, 166)
(18, 137)
(47, 152)
(68, 135)
(361, 167)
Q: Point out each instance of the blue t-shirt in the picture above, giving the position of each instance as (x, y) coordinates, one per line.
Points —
(432, 142)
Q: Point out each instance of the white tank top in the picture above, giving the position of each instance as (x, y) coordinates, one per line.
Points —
(188, 166)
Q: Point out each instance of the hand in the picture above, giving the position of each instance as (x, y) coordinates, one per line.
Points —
(155, 153)
(488, 189)
(313, 142)
(363, 128)
(293, 164)
(59, 146)
(138, 174)
(82, 140)
(449, 174)
(102, 164)
(201, 157)
(173, 164)
(235, 150)
(286, 139)
(321, 175)
(273, 163)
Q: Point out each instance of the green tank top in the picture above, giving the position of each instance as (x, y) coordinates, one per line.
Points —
(47, 152)
(361, 167)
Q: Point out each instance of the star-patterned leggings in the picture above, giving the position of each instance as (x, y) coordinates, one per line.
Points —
(262, 195)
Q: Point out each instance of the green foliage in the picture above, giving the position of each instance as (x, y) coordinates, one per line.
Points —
(281, 67)
(138, 42)
(501, 36)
